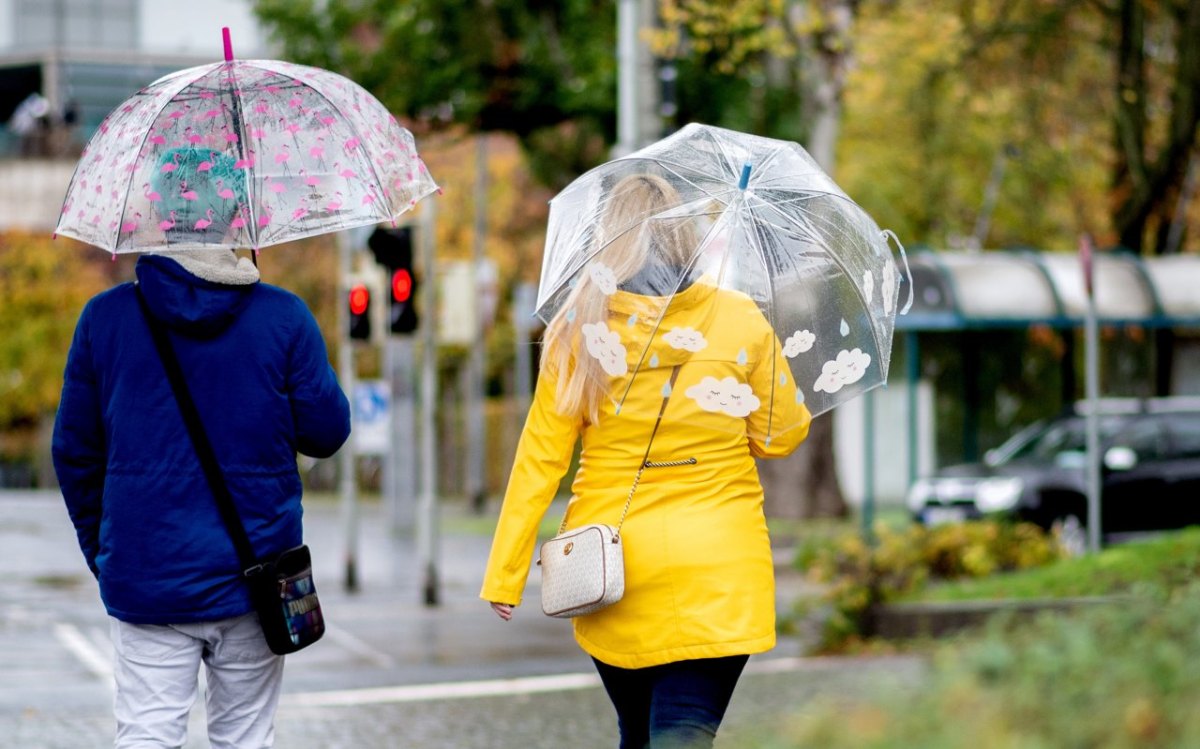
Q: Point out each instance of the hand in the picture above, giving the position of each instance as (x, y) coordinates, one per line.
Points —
(503, 610)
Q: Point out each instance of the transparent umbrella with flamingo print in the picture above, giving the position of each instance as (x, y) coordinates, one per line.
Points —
(241, 154)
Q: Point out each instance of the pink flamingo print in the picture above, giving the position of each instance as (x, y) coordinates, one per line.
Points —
(167, 224)
(283, 156)
(187, 194)
(368, 199)
(131, 225)
(223, 191)
(239, 222)
(299, 213)
(231, 138)
(310, 180)
(274, 186)
(261, 108)
(348, 173)
(263, 220)
(151, 195)
(211, 114)
(157, 140)
(292, 128)
(257, 132)
(246, 163)
(317, 151)
(351, 144)
(171, 165)
(334, 204)
(203, 223)
(209, 163)
(295, 102)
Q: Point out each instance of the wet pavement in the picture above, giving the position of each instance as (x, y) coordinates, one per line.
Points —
(391, 672)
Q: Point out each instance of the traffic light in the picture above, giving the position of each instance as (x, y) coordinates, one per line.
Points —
(393, 250)
(360, 312)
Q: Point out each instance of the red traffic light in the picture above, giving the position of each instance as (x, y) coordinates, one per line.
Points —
(360, 297)
(402, 285)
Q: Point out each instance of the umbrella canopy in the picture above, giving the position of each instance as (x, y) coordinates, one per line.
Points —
(241, 154)
(713, 209)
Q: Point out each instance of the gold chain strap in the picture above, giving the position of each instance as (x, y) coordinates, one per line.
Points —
(646, 462)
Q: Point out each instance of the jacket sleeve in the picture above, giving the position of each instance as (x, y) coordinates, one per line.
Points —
(78, 446)
(320, 410)
(543, 456)
(781, 423)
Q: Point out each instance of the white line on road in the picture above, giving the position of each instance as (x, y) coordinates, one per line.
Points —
(88, 654)
(503, 687)
(446, 691)
(359, 647)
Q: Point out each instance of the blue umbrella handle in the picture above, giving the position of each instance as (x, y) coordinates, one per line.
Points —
(745, 180)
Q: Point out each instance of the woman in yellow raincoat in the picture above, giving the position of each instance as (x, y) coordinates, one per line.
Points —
(699, 580)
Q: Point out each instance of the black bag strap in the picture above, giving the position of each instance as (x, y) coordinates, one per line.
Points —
(204, 450)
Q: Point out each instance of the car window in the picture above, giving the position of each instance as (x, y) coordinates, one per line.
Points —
(1184, 431)
(1145, 436)
(1065, 435)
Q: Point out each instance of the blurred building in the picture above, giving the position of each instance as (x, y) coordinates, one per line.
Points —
(65, 64)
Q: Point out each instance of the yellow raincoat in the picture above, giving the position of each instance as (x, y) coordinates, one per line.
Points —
(699, 579)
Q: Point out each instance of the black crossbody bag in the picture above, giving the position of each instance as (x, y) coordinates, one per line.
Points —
(281, 587)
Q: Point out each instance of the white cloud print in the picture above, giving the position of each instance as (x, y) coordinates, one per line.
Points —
(888, 287)
(797, 343)
(849, 367)
(604, 278)
(688, 339)
(868, 285)
(605, 345)
(727, 396)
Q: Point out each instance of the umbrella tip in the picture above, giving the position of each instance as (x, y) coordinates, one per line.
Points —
(228, 44)
(745, 180)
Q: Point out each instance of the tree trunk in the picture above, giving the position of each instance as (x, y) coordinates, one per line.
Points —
(1145, 185)
(806, 484)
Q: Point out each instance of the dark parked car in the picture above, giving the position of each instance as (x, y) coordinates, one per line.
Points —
(1150, 473)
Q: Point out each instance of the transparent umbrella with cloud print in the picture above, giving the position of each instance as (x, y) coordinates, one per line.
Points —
(721, 211)
(241, 154)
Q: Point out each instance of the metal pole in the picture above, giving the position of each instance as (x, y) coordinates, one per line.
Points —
(524, 301)
(627, 77)
(868, 508)
(348, 486)
(912, 354)
(476, 421)
(427, 502)
(400, 473)
(1092, 386)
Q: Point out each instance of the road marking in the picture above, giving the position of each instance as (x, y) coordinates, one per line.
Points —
(444, 691)
(88, 654)
(505, 687)
(359, 647)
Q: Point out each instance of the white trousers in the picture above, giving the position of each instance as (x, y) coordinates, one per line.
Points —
(157, 674)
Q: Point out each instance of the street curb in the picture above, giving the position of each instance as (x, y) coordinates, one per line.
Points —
(940, 618)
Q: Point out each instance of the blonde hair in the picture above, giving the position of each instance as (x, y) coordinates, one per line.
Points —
(624, 240)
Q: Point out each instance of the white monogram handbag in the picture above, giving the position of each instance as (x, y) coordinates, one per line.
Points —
(583, 569)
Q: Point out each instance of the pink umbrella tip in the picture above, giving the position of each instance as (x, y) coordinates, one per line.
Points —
(228, 44)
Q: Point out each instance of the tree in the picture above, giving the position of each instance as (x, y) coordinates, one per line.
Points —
(43, 287)
(543, 71)
(783, 64)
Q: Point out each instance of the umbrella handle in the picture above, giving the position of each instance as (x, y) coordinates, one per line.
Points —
(904, 258)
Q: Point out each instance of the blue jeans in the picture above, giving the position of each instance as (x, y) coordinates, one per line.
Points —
(674, 706)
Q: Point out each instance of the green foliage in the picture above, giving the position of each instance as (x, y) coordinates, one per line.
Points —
(903, 561)
(43, 287)
(1171, 561)
(494, 65)
(1107, 677)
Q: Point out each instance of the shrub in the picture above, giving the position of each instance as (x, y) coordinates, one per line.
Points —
(900, 562)
(1109, 677)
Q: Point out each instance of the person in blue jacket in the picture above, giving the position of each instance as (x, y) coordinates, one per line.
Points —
(146, 519)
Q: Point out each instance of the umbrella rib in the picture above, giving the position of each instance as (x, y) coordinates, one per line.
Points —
(846, 272)
(239, 123)
(132, 172)
(674, 168)
(733, 170)
(770, 315)
(361, 140)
